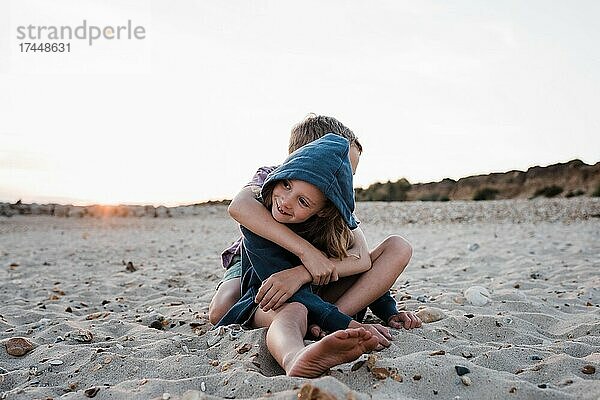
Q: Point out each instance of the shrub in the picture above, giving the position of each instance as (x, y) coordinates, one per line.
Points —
(576, 193)
(548, 191)
(389, 191)
(486, 194)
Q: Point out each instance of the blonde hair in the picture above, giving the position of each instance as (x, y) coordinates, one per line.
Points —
(316, 126)
(326, 230)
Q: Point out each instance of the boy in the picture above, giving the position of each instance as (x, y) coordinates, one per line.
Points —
(363, 271)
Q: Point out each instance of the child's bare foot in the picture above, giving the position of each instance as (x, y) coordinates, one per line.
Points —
(337, 348)
(406, 319)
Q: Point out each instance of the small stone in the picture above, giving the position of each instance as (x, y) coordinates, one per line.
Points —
(535, 357)
(466, 380)
(477, 295)
(512, 390)
(542, 386)
(588, 369)
(81, 336)
(423, 298)
(473, 247)
(417, 377)
(166, 396)
(356, 366)
(203, 386)
(18, 346)
(244, 349)
(371, 360)
(460, 370)
(157, 325)
(396, 376)
(469, 316)
(56, 362)
(91, 392)
(438, 353)
(380, 373)
(516, 286)
(430, 314)
(130, 267)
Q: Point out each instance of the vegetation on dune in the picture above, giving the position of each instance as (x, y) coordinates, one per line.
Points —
(548, 191)
(389, 191)
(486, 193)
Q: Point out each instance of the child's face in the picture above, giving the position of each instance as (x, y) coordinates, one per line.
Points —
(295, 201)
(354, 157)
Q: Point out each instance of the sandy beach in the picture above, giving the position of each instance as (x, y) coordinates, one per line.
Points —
(116, 307)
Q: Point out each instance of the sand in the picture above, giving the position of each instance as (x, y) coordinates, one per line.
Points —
(116, 307)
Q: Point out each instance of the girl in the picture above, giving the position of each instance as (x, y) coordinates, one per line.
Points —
(312, 192)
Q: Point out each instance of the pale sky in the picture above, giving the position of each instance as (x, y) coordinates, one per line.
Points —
(432, 90)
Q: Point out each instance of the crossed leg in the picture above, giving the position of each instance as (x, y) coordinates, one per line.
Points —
(354, 293)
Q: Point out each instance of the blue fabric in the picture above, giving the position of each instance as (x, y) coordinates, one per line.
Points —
(261, 258)
(324, 163)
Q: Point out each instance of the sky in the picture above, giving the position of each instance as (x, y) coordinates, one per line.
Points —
(432, 89)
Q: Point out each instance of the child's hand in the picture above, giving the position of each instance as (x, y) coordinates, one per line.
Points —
(406, 319)
(279, 287)
(321, 268)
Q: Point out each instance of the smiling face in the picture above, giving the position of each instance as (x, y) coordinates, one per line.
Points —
(295, 201)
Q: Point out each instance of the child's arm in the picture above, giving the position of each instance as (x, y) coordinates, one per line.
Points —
(246, 210)
(358, 259)
(280, 286)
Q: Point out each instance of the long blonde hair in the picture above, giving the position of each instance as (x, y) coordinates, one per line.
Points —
(326, 230)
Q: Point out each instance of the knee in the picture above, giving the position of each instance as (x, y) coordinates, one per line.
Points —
(224, 299)
(299, 310)
(216, 311)
(400, 248)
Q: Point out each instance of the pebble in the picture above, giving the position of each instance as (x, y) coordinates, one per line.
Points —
(466, 380)
(380, 373)
(588, 369)
(203, 386)
(477, 295)
(423, 298)
(91, 392)
(166, 396)
(473, 247)
(244, 349)
(56, 362)
(81, 336)
(438, 353)
(430, 314)
(460, 370)
(535, 357)
(18, 346)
